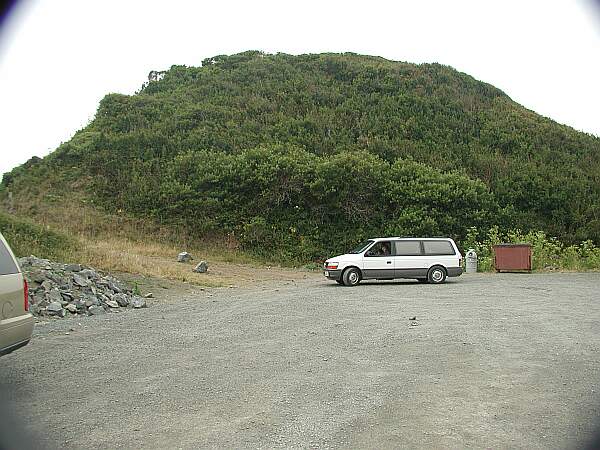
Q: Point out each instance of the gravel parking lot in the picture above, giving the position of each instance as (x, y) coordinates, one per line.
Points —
(491, 361)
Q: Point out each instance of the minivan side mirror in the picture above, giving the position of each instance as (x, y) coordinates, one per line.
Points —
(370, 253)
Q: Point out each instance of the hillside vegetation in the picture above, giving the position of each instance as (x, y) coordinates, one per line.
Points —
(298, 157)
(26, 238)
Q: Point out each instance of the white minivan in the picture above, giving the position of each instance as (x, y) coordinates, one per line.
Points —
(429, 260)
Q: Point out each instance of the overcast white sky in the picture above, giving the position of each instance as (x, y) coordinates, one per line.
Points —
(58, 58)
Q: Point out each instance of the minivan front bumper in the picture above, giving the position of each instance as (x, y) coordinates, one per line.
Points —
(333, 274)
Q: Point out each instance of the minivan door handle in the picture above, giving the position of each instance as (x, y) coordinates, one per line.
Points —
(388, 262)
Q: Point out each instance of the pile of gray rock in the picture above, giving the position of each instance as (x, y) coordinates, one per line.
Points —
(57, 289)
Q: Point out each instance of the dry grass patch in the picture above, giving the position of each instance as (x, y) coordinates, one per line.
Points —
(159, 260)
(120, 243)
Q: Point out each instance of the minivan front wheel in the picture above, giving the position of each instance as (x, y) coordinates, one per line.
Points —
(436, 275)
(351, 277)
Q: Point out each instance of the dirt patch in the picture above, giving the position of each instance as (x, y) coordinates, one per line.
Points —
(221, 277)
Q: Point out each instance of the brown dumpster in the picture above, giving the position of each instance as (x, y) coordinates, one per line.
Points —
(512, 257)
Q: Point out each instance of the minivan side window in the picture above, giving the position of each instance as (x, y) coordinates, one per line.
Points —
(382, 248)
(438, 248)
(408, 248)
(7, 264)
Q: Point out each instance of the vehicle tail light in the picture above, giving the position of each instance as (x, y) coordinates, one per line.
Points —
(331, 265)
(459, 262)
(25, 295)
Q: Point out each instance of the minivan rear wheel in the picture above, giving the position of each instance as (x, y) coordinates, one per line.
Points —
(351, 277)
(436, 275)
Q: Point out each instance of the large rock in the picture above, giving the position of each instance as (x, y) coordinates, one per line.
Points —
(102, 297)
(37, 277)
(89, 274)
(55, 297)
(113, 285)
(121, 299)
(80, 280)
(73, 267)
(55, 309)
(96, 310)
(201, 267)
(80, 305)
(47, 285)
(37, 298)
(184, 257)
(67, 295)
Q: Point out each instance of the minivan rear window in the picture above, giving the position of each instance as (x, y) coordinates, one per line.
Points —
(438, 248)
(7, 263)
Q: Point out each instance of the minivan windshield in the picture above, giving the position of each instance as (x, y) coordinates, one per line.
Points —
(362, 247)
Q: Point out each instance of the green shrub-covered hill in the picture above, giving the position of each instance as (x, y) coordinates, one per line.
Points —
(301, 156)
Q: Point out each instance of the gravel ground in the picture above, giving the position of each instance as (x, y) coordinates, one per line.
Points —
(491, 361)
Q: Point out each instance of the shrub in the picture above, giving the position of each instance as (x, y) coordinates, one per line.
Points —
(548, 253)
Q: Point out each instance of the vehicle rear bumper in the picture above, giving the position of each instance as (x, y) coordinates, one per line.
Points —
(15, 333)
(454, 271)
(333, 274)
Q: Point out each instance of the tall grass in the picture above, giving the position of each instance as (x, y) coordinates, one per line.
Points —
(28, 238)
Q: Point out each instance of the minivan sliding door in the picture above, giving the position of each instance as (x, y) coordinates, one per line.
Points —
(408, 260)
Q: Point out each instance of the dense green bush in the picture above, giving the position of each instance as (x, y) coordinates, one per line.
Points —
(288, 204)
(548, 253)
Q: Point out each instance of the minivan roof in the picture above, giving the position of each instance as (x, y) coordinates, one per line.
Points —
(441, 238)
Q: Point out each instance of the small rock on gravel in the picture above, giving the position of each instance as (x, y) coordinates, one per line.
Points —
(138, 302)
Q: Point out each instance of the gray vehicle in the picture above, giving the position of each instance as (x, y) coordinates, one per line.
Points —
(16, 322)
